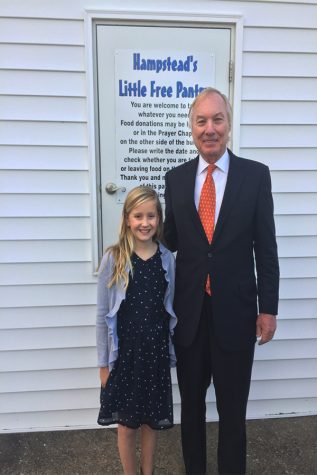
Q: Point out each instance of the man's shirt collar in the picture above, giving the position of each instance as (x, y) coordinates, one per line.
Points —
(222, 163)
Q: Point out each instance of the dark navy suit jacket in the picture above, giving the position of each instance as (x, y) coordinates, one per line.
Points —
(241, 260)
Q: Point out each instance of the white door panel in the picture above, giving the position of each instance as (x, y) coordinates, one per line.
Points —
(143, 107)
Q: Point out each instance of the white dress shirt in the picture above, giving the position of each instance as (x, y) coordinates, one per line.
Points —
(220, 175)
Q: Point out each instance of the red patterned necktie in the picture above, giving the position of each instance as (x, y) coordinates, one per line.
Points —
(206, 210)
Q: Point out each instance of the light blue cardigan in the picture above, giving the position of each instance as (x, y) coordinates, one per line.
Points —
(109, 301)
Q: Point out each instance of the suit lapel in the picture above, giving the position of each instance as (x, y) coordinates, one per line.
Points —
(189, 180)
(235, 179)
(236, 176)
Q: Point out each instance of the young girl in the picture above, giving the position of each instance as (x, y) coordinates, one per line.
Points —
(135, 321)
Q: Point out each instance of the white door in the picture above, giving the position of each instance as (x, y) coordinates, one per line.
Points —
(146, 79)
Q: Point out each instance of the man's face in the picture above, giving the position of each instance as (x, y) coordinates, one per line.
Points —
(210, 127)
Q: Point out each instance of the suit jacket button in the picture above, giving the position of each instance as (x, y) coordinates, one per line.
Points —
(209, 254)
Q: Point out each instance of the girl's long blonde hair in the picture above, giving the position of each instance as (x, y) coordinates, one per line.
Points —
(122, 251)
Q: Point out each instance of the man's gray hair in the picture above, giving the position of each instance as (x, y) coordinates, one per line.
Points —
(206, 92)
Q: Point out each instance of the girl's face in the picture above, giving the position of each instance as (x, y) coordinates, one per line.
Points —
(143, 221)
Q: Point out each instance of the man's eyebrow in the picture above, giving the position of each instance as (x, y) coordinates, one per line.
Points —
(217, 114)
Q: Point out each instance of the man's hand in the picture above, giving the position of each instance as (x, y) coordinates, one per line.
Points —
(104, 375)
(265, 327)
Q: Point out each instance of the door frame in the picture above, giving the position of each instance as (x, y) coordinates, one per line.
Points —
(234, 21)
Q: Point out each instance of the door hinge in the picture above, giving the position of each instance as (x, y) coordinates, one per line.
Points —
(230, 71)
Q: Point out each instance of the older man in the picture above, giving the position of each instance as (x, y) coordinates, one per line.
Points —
(219, 217)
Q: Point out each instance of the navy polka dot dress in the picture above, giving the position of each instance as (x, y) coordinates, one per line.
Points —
(139, 390)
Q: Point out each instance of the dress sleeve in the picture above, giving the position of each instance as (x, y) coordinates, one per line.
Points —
(170, 230)
(104, 276)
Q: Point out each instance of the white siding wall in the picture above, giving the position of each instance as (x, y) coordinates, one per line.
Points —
(47, 294)
(279, 128)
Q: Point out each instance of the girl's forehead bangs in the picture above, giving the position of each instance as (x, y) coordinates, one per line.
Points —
(139, 200)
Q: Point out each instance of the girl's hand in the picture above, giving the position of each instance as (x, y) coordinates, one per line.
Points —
(104, 375)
